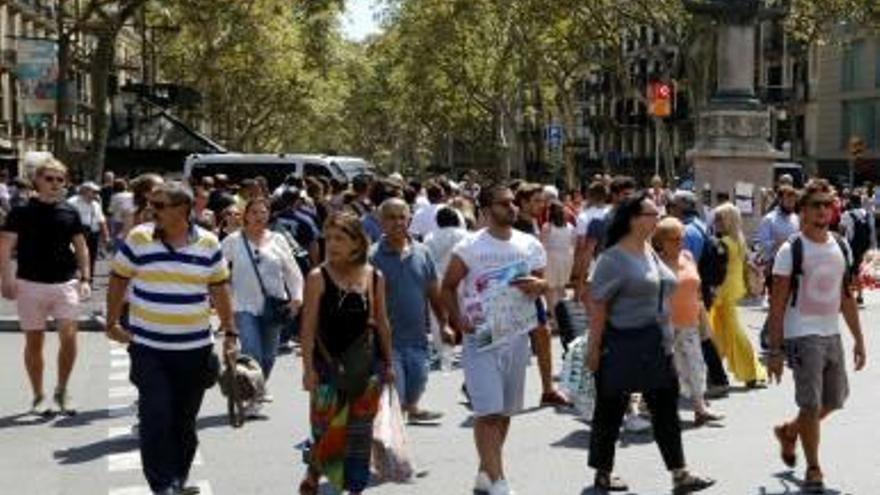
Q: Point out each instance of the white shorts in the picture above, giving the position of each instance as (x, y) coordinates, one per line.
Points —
(496, 378)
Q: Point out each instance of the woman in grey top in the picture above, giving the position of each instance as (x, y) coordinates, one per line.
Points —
(630, 345)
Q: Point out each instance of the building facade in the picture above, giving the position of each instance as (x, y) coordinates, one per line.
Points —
(38, 19)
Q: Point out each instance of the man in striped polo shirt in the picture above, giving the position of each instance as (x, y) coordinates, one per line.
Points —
(172, 271)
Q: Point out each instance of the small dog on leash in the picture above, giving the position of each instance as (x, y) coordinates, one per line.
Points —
(243, 384)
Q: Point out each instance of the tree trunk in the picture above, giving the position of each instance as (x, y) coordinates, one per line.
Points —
(569, 121)
(100, 67)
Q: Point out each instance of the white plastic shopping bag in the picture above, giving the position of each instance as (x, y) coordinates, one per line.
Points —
(390, 458)
(577, 380)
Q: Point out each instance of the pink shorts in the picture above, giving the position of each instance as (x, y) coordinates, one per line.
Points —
(38, 301)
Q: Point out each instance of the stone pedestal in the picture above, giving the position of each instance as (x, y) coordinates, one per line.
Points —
(732, 146)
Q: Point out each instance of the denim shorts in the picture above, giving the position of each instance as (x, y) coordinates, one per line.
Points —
(411, 373)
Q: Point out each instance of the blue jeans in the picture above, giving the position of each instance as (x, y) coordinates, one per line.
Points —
(411, 373)
(256, 341)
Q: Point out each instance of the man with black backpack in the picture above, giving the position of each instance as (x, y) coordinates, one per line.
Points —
(711, 257)
(811, 288)
(857, 226)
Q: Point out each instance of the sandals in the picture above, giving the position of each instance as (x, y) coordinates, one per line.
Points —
(813, 481)
(787, 444)
(690, 483)
(707, 416)
(607, 482)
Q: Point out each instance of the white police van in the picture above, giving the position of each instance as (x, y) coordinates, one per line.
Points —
(274, 167)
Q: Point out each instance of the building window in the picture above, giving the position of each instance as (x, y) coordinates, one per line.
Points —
(853, 66)
(860, 119)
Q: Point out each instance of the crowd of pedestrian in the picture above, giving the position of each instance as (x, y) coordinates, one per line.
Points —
(377, 281)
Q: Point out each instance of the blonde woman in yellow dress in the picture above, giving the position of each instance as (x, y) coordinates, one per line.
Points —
(727, 331)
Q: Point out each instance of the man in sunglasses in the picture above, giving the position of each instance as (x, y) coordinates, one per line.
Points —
(176, 272)
(811, 287)
(49, 239)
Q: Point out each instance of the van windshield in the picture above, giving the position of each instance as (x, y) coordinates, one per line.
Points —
(236, 171)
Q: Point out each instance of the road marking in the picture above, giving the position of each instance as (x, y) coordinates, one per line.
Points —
(131, 461)
(120, 376)
(120, 363)
(120, 410)
(125, 461)
(204, 487)
(118, 351)
(122, 392)
(120, 433)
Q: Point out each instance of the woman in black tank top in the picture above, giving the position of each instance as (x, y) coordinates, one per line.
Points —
(344, 321)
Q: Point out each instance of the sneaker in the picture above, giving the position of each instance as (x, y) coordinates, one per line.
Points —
(636, 424)
(424, 416)
(65, 405)
(500, 487)
(554, 399)
(40, 406)
(483, 484)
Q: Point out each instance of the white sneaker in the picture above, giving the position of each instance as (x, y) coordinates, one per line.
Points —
(500, 487)
(483, 483)
(636, 424)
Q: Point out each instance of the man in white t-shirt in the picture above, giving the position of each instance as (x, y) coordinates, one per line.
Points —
(91, 215)
(509, 265)
(810, 289)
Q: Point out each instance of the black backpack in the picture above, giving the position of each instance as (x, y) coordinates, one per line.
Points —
(861, 241)
(300, 254)
(797, 264)
(712, 265)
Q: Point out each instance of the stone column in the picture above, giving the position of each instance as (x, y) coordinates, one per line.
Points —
(736, 55)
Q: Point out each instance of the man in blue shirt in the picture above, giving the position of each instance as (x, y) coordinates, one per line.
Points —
(413, 286)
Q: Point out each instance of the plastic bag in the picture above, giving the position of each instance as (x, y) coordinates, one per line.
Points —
(390, 459)
(577, 380)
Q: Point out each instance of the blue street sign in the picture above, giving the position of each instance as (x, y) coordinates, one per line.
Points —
(554, 136)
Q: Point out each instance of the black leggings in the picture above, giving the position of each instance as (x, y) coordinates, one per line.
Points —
(607, 419)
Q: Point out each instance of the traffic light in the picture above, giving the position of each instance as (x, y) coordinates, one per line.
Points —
(660, 99)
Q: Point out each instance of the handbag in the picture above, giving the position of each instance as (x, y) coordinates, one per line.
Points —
(276, 311)
(635, 359)
(354, 367)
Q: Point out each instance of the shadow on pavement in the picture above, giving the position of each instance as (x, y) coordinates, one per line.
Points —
(579, 439)
(96, 450)
(790, 485)
(221, 420)
(82, 418)
(24, 419)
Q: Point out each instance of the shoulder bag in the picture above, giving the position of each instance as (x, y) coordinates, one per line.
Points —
(276, 311)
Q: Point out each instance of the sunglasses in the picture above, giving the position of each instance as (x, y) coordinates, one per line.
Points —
(53, 179)
(161, 205)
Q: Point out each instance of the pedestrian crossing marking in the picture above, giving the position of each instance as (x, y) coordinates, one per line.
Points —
(120, 433)
(120, 363)
(120, 376)
(131, 461)
(204, 488)
(125, 461)
(120, 410)
(122, 392)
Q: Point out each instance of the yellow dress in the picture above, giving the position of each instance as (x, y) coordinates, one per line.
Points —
(727, 331)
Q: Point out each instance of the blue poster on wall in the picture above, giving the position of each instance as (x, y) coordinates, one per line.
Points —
(37, 74)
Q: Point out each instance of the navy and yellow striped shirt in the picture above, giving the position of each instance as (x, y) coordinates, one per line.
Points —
(169, 304)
